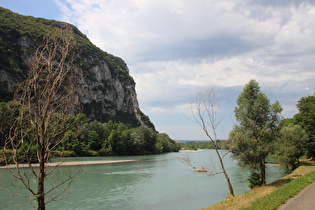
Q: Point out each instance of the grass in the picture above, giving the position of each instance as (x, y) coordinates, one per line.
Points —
(282, 194)
(273, 195)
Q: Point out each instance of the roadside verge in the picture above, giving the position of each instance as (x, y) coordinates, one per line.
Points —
(273, 192)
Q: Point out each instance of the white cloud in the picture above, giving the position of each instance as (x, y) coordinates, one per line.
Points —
(178, 108)
(183, 132)
(170, 79)
(177, 48)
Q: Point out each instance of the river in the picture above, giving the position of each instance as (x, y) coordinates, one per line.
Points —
(161, 182)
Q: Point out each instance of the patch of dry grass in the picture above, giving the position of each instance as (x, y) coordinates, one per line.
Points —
(246, 200)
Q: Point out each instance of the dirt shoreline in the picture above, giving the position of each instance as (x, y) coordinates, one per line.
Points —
(76, 163)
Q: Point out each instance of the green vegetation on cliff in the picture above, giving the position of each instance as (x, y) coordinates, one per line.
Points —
(17, 32)
(105, 83)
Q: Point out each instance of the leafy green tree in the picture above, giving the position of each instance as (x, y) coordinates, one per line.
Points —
(113, 140)
(258, 119)
(306, 118)
(148, 137)
(93, 140)
(121, 143)
(137, 143)
(166, 144)
(289, 145)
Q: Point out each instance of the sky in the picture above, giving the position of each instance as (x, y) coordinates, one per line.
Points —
(176, 49)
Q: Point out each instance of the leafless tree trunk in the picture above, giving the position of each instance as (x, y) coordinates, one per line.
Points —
(44, 100)
(205, 113)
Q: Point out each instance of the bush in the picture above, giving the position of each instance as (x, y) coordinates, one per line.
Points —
(8, 153)
(93, 153)
(65, 153)
(68, 153)
(254, 180)
(105, 151)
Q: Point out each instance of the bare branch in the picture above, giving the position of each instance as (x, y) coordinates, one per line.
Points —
(185, 159)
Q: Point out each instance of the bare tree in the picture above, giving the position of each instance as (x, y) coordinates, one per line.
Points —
(44, 101)
(205, 113)
(185, 159)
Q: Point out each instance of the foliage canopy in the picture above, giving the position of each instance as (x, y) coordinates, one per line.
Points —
(21, 34)
(290, 145)
(306, 119)
(258, 120)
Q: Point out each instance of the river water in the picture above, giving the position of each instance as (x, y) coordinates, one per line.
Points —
(162, 182)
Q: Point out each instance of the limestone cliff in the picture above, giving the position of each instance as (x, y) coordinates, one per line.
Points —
(107, 91)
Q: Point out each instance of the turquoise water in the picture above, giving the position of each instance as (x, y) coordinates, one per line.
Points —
(162, 182)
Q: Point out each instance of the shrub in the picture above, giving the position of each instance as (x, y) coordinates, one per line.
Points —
(254, 180)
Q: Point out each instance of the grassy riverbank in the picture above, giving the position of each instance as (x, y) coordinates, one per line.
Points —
(274, 194)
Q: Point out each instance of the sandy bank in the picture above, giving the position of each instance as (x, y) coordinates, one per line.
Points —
(77, 163)
(199, 150)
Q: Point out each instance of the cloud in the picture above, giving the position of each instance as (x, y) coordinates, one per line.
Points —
(178, 108)
(175, 49)
(184, 132)
(188, 78)
(142, 31)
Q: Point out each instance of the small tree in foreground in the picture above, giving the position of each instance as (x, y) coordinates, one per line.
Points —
(205, 113)
(38, 124)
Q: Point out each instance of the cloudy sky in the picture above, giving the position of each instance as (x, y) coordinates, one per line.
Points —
(177, 48)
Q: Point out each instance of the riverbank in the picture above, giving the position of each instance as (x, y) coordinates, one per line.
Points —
(187, 150)
(76, 163)
(248, 199)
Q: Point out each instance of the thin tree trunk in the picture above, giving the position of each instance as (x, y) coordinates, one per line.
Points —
(205, 115)
(41, 177)
(41, 184)
(225, 174)
(262, 167)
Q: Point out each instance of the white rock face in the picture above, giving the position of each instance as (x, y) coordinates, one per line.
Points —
(101, 95)
(107, 92)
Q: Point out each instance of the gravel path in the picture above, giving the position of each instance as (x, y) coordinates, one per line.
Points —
(304, 200)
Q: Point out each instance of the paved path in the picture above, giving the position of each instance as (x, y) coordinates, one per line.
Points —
(77, 163)
(304, 200)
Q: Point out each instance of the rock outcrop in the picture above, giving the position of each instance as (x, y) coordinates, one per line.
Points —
(107, 91)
